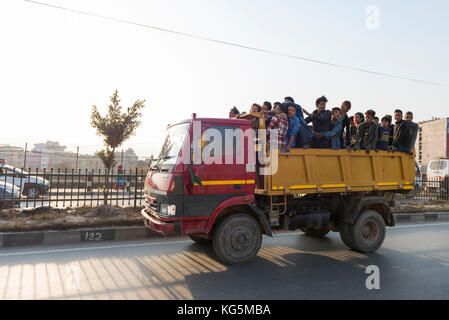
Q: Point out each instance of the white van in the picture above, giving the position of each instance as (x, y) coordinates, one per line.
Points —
(438, 169)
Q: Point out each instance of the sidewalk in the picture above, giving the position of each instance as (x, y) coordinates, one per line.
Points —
(18, 239)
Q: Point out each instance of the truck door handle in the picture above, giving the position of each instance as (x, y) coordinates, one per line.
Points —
(238, 186)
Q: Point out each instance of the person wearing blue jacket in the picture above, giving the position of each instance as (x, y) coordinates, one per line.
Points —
(305, 133)
(294, 126)
(335, 133)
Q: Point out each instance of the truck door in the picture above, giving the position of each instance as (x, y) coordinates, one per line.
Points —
(222, 170)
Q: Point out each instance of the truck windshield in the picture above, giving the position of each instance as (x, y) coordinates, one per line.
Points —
(172, 144)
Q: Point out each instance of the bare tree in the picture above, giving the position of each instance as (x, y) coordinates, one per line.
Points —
(115, 127)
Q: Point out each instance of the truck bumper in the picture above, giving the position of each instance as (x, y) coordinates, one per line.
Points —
(153, 223)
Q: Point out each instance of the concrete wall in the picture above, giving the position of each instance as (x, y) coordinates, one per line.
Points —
(434, 140)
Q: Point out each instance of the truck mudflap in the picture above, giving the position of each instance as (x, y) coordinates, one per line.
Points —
(159, 226)
(263, 220)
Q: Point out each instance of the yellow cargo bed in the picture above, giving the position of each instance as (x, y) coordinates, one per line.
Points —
(304, 171)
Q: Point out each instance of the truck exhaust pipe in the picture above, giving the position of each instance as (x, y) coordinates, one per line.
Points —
(309, 220)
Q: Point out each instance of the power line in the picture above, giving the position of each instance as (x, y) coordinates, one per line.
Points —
(190, 35)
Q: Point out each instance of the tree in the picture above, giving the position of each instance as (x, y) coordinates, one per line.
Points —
(115, 128)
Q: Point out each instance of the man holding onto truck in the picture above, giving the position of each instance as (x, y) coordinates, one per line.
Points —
(401, 134)
(335, 133)
(346, 127)
(293, 128)
(383, 134)
(414, 128)
(278, 127)
(367, 133)
(321, 120)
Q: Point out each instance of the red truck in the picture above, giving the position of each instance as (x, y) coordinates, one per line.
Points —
(231, 204)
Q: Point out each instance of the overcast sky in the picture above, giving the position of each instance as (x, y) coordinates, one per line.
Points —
(54, 65)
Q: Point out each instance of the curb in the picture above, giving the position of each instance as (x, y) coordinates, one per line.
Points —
(415, 217)
(49, 237)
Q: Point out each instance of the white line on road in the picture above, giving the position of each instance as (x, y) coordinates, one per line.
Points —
(422, 225)
(170, 242)
(92, 248)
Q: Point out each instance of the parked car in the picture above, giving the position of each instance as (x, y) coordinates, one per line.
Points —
(30, 186)
(437, 171)
(9, 191)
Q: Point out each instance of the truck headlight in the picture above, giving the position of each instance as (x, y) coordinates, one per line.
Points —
(168, 209)
(171, 210)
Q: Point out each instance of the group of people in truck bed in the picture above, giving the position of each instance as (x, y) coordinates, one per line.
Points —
(334, 129)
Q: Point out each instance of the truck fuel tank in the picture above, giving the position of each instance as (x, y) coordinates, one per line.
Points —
(309, 220)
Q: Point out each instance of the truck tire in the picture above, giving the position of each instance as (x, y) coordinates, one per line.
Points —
(237, 238)
(316, 233)
(344, 234)
(367, 234)
(199, 239)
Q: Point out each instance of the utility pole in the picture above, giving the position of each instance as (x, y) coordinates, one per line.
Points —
(25, 157)
(77, 152)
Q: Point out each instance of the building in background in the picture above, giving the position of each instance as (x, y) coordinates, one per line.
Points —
(432, 142)
(53, 155)
(12, 155)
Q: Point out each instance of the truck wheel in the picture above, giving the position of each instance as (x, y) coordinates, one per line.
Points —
(367, 233)
(344, 235)
(316, 233)
(199, 239)
(237, 238)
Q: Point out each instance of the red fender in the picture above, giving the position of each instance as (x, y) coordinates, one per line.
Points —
(234, 201)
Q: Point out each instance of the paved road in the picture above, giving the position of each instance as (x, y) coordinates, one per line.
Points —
(413, 262)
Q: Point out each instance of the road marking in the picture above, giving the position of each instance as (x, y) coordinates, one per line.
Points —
(172, 242)
(91, 248)
(422, 225)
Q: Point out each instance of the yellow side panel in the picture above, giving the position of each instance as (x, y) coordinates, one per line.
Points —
(324, 170)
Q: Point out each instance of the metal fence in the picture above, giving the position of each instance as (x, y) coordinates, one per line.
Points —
(431, 189)
(70, 188)
(75, 188)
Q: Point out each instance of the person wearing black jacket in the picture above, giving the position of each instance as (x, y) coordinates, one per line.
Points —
(402, 135)
(321, 119)
(414, 128)
(346, 132)
(390, 139)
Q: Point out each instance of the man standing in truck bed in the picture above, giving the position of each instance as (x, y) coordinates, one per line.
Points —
(367, 133)
(321, 119)
(402, 134)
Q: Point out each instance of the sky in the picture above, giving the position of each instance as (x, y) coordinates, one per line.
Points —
(55, 65)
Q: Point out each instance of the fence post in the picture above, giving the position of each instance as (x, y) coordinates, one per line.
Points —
(135, 189)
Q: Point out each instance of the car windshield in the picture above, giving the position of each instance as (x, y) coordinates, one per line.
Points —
(438, 165)
(172, 144)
